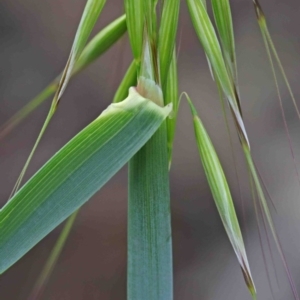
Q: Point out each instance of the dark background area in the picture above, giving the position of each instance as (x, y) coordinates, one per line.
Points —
(35, 39)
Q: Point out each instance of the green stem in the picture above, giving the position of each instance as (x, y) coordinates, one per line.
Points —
(149, 223)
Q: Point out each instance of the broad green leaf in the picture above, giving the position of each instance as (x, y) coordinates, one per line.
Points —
(129, 80)
(90, 53)
(76, 173)
(167, 36)
(95, 48)
(171, 96)
(222, 196)
(223, 19)
(208, 38)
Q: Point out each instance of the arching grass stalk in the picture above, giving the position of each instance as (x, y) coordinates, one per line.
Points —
(90, 15)
(208, 38)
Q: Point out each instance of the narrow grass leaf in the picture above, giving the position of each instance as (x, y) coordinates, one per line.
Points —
(167, 36)
(130, 79)
(76, 173)
(100, 43)
(88, 20)
(222, 196)
(134, 10)
(94, 49)
(171, 96)
(208, 38)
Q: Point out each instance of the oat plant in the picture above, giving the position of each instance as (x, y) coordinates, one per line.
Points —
(138, 129)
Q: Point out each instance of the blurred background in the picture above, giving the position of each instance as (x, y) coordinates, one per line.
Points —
(35, 39)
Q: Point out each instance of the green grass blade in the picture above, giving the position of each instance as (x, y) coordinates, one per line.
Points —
(53, 257)
(88, 20)
(75, 173)
(134, 10)
(208, 38)
(167, 36)
(223, 19)
(94, 49)
(101, 42)
(129, 80)
(171, 96)
(222, 196)
(122, 92)
(42, 131)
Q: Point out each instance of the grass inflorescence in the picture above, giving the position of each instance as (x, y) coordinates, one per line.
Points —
(139, 131)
